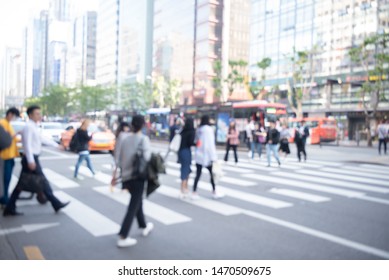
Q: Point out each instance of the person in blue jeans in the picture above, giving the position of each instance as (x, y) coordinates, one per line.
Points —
(83, 139)
(259, 136)
(272, 140)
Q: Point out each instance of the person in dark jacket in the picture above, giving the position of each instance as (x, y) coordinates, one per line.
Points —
(272, 140)
(83, 147)
(185, 154)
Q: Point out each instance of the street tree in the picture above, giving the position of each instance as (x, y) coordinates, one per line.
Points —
(93, 98)
(218, 79)
(258, 90)
(137, 96)
(236, 75)
(167, 92)
(373, 56)
(303, 76)
(55, 100)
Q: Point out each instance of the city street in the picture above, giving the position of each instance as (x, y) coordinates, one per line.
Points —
(334, 206)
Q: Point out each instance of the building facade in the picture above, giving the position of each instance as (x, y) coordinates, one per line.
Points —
(330, 28)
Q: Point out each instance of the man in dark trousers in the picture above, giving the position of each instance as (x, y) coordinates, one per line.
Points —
(32, 144)
(301, 136)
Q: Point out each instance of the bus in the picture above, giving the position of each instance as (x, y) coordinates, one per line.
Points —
(321, 130)
(157, 122)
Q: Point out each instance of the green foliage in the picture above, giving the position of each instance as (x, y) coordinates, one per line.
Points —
(166, 92)
(137, 96)
(236, 74)
(218, 79)
(94, 98)
(259, 88)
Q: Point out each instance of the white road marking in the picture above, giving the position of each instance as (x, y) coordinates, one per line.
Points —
(100, 176)
(305, 185)
(376, 167)
(357, 173)
(214, 206)
(59, 180)
(88, 218)
(151, 209)
(247, 197)
(300, 195)
(344, 177)
(364, 170)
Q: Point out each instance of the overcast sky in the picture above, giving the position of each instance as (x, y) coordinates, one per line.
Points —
(14, 15)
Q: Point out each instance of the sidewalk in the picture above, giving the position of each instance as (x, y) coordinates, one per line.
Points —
(6, 251)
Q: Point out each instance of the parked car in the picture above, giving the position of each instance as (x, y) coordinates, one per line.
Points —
(52, 130)
(18, 127)
(102, 139)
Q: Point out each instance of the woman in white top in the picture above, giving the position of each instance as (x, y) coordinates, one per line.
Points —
(205, 154)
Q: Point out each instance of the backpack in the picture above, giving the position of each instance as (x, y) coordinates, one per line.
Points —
(73, 146)
(306, 131)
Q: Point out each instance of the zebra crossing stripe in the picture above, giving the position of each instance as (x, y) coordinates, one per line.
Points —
(376, 167)
(249, 164)
(356, 173)
(365, 170)
(236, 169)
(345, 177)
(374, 199)
(151, 209)
(59, 180)
(301, 164)
(214, 206)
(256, 199)
(332, 182)
(300, 195)
(100, 176)
(329, 163)
(88, 218)
(305, 185)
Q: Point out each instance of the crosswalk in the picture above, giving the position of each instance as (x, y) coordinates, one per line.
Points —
(249, 188)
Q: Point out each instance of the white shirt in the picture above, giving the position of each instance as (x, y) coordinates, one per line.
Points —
(382, 131)
(32, 141)
(249, 130)
(206, 152)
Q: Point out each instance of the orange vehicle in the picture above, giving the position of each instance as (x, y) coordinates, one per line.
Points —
(320, 129)
(102, 139)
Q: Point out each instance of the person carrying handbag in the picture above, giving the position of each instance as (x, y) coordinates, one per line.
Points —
(134, 148)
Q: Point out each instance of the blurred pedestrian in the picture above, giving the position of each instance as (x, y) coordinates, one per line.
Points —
(284, 140)
(232, 141)
(272, 140)
(205, 154)
(185, 154)
(8, 155)
(259, 138)
(5, 142)
(300, 138)
(32, 143)
(382, 131)
(250, 127)
(134, 144)
(83, 139)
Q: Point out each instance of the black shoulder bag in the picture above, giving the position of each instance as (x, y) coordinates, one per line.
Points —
(139, 165)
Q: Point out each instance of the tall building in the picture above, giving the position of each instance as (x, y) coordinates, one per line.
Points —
(107, 45)
(135, 40)
(84, 44)
(12, 93)
(333, 27)
(61, 10)
(174, 39)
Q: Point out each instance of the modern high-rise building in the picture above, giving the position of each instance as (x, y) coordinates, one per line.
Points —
(332, 28)
(84, 44)
(135, 40)
(174, 41)
(61, 10)
(12, 93)
(107, 45)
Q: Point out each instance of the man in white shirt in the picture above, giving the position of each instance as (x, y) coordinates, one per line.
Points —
(250, 127)
(32, 144)
(382, 131)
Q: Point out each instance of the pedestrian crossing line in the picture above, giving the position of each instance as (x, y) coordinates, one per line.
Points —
(300, 195)
(151, 209)
(226, 179)
(376, 167)
(12, 183)
(256, 167)
(301, 164)
(108, 166)
(236, 169)
(374, 199)
(320, 234)
(59, 180)
(329, 163)
(305, 185)
(365, 170)
(100, 176)
(88, 218)
(332, 182)
(214, 206)
(345, 177)
(252, 198)
(356, 173)
(285, 166)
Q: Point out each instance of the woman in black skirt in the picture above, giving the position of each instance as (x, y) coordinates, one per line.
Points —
(284, 140)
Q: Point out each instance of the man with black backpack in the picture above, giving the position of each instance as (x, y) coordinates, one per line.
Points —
(272, 140)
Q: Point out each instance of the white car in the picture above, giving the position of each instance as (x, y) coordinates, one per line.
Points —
(52, 130)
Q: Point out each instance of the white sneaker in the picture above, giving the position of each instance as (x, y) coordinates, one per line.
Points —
(126, 242)
(249, 154)
(218, 195)
(195, 196)
(149, 227)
